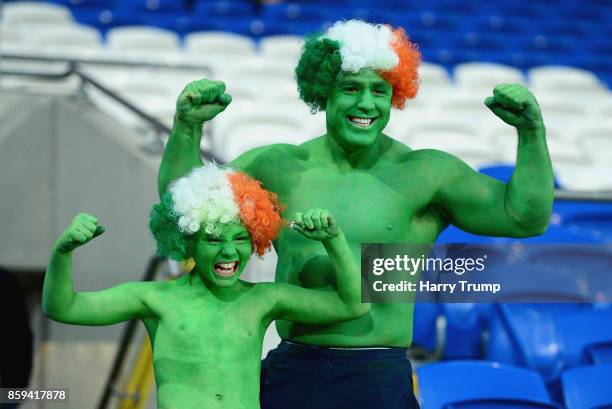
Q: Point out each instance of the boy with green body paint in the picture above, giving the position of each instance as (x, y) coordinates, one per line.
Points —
(207, 328)
(379, 189)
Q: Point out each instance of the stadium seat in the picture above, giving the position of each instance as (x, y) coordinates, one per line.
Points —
(586, 177)
(106, 19)
(454, 135)
(474, 384)
(74, 41)
(561, 77)
(587, 387)
(463, 331)
(145, 39)
(486, 75)
(287, 47)
(31, 12)
(152, 6)
(434, 74)
(596, 140)
(525, 335)
(249, 126)
(425, 333)
(219, 43)
(581, 330)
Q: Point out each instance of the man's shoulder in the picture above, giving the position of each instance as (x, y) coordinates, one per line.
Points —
(400, 152)
(267, 154)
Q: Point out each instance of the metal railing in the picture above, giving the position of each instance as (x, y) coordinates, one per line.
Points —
(160, 129)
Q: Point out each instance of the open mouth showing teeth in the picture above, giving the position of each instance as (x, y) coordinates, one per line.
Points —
(361, 122)
(226, 269)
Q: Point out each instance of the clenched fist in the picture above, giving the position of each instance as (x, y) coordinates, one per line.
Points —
(516, 106)
(316, 224)
(82, 230)
(201, 101)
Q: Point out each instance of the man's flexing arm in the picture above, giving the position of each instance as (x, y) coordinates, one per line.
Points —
(482, 205)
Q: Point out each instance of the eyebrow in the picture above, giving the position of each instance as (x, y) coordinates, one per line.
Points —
(355, 81)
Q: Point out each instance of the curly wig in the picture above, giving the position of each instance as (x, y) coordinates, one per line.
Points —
(351, 46)
(208, 198)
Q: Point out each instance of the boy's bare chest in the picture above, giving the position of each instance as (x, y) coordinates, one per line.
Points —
(202, 325)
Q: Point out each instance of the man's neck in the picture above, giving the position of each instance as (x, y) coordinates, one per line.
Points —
(354, 157)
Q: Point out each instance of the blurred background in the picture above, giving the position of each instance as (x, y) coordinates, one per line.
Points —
(87, 97)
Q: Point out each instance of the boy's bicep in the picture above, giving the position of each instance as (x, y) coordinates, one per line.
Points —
(111, 306)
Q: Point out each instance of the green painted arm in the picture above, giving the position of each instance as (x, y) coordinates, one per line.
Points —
(60, 301)
(199, 102)
(294, 303)
(482, 205)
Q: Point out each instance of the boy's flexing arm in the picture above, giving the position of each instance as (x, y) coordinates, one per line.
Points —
(294, 303)
(60, 301)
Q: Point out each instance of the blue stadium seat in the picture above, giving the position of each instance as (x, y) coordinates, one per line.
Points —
(157, 6)
(180, 23)
(95, 4)
(497, 24)
(526, 335)
(592, 221)
(580, 330)
(225, 9)
(106, 19)
(588, 387)
(474, 384)
(289, 12)
(425, 334)
(464, 331)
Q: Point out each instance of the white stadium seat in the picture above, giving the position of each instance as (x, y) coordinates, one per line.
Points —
(285, 47)
(28, 12)
(457, 137)
(562, 78)
(219, 43)
(596, 140)
(433, 74)
(486, 75)
(145, 39)
(245, 126)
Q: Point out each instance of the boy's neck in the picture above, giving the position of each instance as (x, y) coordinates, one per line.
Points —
(198, 282)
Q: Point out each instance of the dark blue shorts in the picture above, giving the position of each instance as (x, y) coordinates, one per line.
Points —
(311, 377)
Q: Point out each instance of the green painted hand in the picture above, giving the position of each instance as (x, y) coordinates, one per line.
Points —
(315, 224)
(201, 101)
(82, 230)
(516, 106)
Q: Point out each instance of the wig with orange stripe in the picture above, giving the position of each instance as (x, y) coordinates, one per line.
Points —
(352, 46)
(208, 198)
(259, 210)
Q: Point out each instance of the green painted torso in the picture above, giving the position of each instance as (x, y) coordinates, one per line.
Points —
(390, 202)
(206, 352)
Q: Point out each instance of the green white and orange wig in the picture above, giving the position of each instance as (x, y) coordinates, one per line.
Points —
(352, 46)
(208, 198)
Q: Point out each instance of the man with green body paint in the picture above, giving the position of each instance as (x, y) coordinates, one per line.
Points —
(381, 191)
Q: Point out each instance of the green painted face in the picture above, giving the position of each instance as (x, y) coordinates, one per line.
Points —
(220, 259)
(358, 109)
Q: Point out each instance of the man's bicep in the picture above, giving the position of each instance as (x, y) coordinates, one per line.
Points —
(309, 306)
(111, 306)
(476, 203)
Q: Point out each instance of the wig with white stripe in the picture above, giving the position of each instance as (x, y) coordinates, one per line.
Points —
(209, 207)
(364, 45)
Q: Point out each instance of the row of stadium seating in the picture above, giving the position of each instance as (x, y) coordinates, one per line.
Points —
(446, 35)
(486, 385)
